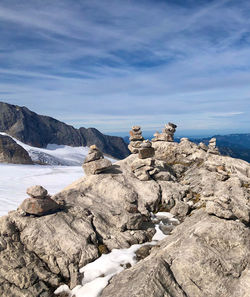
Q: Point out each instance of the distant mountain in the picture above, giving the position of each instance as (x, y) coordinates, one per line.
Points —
(38, 130)
(233, 145)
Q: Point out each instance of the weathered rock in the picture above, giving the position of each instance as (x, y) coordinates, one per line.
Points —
(37, 192)
(39, 206)
(143, 252)
(97, 166)
(11, 152)
(204, 256)
(146, 152)
(167, 133)
(93, 156)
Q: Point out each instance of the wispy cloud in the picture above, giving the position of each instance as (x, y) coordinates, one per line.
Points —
(118, 62)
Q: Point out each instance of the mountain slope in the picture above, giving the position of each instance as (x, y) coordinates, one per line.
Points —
(38, 130)
(11, 152)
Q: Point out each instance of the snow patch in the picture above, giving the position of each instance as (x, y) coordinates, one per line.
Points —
(98, 273)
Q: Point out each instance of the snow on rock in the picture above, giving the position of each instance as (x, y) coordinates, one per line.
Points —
(98, 273)
(55, 154)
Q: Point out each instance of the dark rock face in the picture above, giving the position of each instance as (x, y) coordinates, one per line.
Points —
(38, 130)
(111, 145)
(11, 152)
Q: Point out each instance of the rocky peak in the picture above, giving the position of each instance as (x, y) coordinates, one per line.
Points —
(206, 255)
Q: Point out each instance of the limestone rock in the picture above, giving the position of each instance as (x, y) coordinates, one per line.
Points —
(136, 139)
(37, 192)
(96, 166)
(39, 206)
(146, 152)
(204, 256)
(167, 133)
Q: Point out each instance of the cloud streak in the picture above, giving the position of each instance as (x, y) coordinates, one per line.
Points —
(122, 62)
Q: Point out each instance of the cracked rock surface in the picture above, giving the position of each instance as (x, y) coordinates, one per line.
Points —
(206, 255)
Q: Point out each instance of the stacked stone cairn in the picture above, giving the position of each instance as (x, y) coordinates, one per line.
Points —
(39, 203)
(212, 147)
(167, 133)
(95, 163)
(136, 139)
(145, 167)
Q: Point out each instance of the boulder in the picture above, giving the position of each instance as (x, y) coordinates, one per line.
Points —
(39, 206)
(96, 166)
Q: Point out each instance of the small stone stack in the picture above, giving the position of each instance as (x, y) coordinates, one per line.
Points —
(167, 133)
(212, 147)
(146, 150)
(145, 167)
(136, 139)
(39, 202)
(95, 163)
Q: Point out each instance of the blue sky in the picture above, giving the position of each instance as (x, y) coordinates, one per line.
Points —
(110, 64)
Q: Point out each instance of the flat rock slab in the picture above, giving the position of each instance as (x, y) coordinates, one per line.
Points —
(96, 167)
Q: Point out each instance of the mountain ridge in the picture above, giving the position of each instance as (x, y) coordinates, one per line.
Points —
(40, 130)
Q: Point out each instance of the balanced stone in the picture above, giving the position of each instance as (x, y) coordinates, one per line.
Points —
(212, 146)
(167, 133)
(37, 192)
(212, 143)
(203, 146)
(97, 166)
(135, 138)
(146, 150)
(40, 203)
(146, 144)
(136, 128)
(94, 154)
(94, 162)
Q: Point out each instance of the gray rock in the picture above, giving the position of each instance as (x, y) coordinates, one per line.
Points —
(93, 156)
(39, 206)
(96, 167)
(146, 152)
(204, 256)
(37, 192)
(11, 152)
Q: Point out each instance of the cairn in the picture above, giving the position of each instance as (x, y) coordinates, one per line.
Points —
(145, 167)
(136, 139)
(167, 133)
(39, 203)
(95, 163)
(212, 147)
(146, 150)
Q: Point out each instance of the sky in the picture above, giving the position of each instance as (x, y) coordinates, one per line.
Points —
(111, 64)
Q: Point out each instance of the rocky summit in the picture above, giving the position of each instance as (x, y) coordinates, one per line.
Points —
(207, 254)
